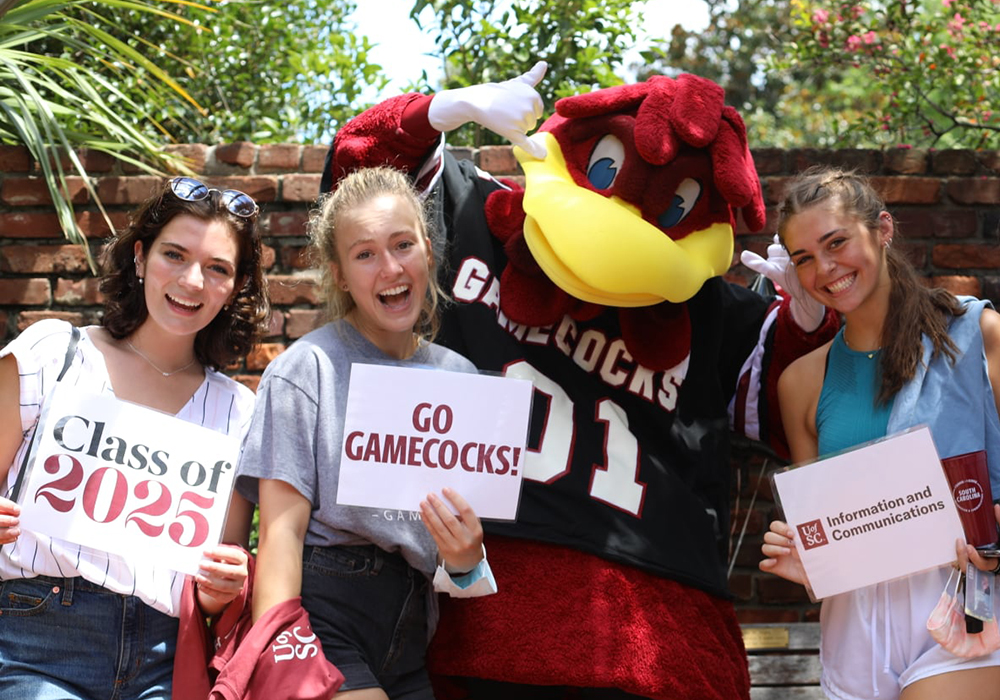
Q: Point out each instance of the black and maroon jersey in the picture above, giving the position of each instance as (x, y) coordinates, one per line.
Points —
(624, 462)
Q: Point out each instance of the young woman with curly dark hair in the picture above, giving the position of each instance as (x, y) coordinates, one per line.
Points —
(185, 296)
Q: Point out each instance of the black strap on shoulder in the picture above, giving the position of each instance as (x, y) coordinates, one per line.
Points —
(74, 337)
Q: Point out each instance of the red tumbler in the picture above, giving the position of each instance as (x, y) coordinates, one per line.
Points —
(969, 477)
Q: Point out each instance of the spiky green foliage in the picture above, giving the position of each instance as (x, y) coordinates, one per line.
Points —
(57, 94)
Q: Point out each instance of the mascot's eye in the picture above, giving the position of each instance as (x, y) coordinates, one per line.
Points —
(605, 162)
(686, 196)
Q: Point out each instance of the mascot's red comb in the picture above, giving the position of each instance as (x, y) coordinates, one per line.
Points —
(687, 110)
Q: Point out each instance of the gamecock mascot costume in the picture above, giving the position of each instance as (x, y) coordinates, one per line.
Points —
(599, 280)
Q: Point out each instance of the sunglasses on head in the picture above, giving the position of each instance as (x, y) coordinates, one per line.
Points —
(237, 203)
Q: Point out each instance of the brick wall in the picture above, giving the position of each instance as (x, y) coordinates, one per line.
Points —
(948, 203)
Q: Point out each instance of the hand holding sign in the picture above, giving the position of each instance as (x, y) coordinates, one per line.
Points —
(782, 557)
(459, 539)
(221, 577)
(9, 522)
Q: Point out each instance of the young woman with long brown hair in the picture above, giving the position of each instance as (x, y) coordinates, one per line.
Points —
(905, 355)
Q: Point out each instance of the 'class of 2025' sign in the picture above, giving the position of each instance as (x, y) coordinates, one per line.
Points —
(127, 479)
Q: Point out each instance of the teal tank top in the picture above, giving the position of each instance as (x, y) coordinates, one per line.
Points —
(846, 414)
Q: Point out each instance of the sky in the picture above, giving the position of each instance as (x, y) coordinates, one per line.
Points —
(402, 48)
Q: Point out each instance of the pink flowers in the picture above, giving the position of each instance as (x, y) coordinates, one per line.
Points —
(854, 42)
(896, 43)
(955, 25)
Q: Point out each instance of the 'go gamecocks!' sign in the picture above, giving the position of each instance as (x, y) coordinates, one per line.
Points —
(409, 432)
(128, 480)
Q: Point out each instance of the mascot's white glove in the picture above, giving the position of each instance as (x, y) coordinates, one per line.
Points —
(778, 268)
(510, 109)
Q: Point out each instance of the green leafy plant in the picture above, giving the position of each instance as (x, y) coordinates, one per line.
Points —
(57, 94)
(833, 73)
(931, 66)
(259, 70)
(583, 41)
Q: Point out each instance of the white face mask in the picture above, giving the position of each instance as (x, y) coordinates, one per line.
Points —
(947, 626)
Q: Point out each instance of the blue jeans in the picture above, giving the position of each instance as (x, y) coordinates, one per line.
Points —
(369, 610)
(69, 639)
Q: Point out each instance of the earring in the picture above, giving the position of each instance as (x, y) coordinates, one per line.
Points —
(141, 281)
(888, 244)
(344, 287)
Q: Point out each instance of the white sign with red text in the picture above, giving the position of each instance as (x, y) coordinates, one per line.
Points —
(410, 432)
(872, 514)
(127, 479)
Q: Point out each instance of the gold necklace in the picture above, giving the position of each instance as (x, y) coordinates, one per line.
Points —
(869, 353)
(153, 364)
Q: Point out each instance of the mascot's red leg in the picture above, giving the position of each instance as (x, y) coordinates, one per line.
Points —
(563, 617)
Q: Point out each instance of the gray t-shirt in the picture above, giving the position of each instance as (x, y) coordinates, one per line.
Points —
(297, 436)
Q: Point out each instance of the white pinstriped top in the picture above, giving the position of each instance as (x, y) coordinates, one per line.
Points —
(220, 403)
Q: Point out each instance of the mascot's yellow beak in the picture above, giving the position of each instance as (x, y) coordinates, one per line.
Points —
(600, 249)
